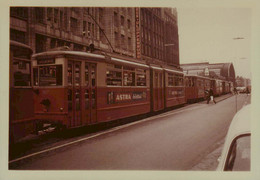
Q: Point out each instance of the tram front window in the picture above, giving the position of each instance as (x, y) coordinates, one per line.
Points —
(50, 75)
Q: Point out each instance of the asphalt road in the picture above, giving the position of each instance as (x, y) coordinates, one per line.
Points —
(176, 140)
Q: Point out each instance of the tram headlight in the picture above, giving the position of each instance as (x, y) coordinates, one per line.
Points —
(61, 109)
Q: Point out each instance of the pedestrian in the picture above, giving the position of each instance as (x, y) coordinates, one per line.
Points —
(207, 97)
(247, 91)
(235, 90)
(211, 96)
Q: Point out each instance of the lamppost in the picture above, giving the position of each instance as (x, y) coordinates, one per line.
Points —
(237, 38)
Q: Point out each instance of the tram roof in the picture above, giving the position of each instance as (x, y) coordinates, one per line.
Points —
(68, 53)
(107, 58)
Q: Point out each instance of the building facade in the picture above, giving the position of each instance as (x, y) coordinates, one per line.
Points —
(146, 34)
(224, 71)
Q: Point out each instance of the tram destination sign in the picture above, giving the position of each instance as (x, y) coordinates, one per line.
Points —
(46, 61)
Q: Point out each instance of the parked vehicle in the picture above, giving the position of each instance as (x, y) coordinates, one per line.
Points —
(236, 151)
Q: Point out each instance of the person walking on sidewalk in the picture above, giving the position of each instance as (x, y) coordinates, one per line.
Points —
(211, 96)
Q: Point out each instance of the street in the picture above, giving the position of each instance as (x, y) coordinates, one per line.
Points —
(175, 140)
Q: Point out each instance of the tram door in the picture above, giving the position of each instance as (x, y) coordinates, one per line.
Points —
(158, 98)
(74, 93)
(90, 90)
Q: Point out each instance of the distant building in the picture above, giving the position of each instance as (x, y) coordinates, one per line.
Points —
(223, 71)
(242, 82)
(146, 34)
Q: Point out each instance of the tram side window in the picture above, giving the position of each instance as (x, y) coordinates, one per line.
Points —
(21, 71)
(180, 80)
(170, 80)
(50, 75)
(175, 80)
(114, 75)
(128, 76)
(140, 77)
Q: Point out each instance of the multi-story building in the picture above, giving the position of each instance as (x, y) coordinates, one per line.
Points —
(146, 34)
(158, 35)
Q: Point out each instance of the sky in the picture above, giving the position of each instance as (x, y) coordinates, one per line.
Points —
(206, 35)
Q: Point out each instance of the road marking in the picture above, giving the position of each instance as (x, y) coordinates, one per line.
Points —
(102, 133)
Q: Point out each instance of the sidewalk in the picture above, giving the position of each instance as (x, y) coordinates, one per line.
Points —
(223, 97)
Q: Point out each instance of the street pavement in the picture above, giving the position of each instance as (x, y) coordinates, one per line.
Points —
(176, 140)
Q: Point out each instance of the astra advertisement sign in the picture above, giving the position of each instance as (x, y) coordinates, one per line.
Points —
(120, 97)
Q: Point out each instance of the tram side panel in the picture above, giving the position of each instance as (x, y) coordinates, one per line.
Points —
(123, 91)
(174, 89)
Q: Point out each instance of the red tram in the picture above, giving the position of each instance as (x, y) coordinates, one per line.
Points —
(195, 87)
(21, 105)
(78, 88)
(71, 89)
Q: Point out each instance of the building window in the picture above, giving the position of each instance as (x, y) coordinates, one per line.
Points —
(122, 41)
(93, 28)
(56, 12)
(73, 25)
(102, 36)
(128, 24)
(122, 21)
(89, 29)
(117, 40)
(39, 14)
(129, 42)
(53, 43)
(18, 36)
(115, 19)
(49, 14)
(101, 14)
(21, 12)
(129, 11)
(61, 19)
(84, 28)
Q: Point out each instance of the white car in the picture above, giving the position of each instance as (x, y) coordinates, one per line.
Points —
(236, 151)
